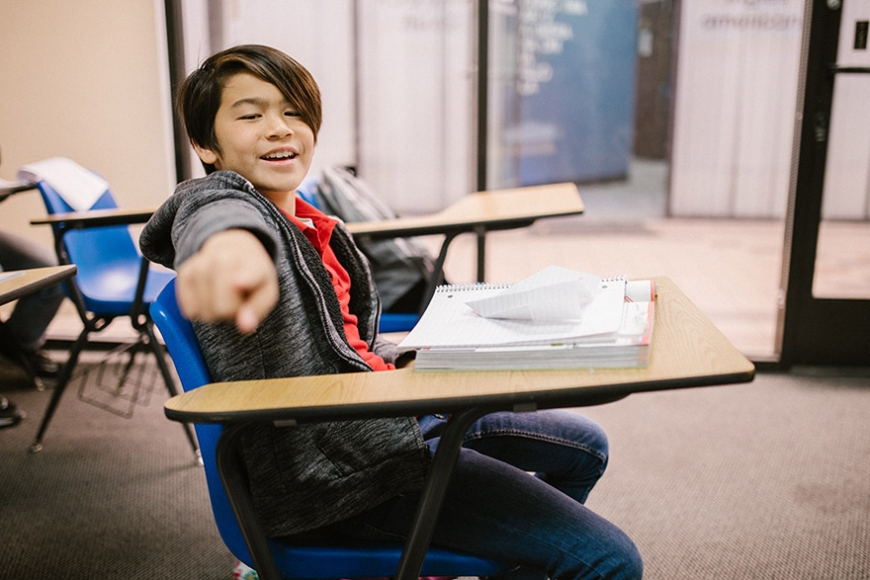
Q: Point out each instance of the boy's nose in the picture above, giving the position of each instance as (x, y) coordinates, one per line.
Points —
(279, 127)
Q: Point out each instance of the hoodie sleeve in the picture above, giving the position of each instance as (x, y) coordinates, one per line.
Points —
(198, 210)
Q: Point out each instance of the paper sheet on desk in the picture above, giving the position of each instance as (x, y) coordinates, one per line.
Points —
(76, 185)
(449, 322)
(554, 293)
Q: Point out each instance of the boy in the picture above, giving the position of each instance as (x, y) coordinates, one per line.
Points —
(276, 289)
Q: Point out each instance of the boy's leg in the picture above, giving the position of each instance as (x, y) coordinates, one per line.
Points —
(563, 448)
(495, 510)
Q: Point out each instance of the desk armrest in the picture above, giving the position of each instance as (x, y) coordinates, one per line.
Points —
(97, 218)
(9, 188)
(30, 281)
(487, 210)
(687, 351)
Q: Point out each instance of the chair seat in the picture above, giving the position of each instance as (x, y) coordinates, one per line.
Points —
(397, 321)
(111, 289)
(359, 559)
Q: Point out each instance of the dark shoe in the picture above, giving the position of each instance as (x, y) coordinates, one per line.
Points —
(42, 365)
(9, 415)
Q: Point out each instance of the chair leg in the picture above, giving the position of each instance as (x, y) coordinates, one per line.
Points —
(62, 382)
(170, 383)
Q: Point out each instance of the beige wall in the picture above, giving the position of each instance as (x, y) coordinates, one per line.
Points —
(84, 79)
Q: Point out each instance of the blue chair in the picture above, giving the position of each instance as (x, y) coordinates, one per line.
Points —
(233, 508)
(389, 321)
(113, 281)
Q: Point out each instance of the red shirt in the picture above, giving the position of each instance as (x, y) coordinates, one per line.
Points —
(319, 234)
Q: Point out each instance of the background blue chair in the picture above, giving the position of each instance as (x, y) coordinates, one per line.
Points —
(233, 508)
(113, 281)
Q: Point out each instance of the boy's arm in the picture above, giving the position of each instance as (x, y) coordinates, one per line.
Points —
(231, 277)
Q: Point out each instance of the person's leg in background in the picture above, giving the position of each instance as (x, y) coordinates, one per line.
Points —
(32, 314)
(9, 414)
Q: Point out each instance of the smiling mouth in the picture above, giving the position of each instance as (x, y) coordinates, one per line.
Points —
(279, 155)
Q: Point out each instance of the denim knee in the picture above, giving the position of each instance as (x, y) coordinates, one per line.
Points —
(631, 566)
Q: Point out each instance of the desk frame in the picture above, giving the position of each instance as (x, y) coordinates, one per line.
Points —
(687, 351)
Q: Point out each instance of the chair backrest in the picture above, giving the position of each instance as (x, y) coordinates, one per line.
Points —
(350, 560)
(306, 191)
(389, 321)
(82, 243)
(107, 258)
(180, 340)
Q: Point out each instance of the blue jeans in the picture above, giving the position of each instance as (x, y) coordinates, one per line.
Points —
(494, 508)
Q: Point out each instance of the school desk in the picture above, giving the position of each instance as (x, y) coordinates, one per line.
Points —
(687, 351)
(19, 283)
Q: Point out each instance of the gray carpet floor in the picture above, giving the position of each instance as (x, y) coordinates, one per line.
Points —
(769, 479)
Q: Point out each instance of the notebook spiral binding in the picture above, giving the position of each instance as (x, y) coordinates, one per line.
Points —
(473, 286)
(506, 285)
(622, 279)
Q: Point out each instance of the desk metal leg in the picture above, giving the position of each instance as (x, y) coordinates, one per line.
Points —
(441, 469)
(438, 271)
(481, 253)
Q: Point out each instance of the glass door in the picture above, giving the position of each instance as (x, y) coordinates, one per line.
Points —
(826, 275)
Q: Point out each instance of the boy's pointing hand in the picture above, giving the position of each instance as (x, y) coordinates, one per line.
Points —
(232, 277)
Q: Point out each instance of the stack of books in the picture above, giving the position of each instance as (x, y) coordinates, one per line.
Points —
(556, 319)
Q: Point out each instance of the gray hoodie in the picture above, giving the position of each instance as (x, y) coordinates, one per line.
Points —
(311, 475)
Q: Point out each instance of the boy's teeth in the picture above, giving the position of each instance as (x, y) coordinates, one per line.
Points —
(280, 155)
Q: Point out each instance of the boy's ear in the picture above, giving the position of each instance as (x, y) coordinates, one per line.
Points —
(206, 155)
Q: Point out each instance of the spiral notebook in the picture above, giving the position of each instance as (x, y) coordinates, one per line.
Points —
(615, 330)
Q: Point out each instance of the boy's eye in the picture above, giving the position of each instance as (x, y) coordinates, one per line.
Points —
(292, 114)
(250, 116)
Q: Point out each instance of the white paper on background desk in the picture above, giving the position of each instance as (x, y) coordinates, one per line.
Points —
(554, 293)
(76, 185)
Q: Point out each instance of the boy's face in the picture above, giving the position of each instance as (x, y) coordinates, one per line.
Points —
(262, 138)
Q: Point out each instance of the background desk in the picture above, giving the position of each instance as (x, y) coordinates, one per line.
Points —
(30, 281)
(478, 213)
(687, 351)
(19, 283)
(8, 188)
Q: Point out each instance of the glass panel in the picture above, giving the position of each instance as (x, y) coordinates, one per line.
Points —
(562, 88)
(589, 92)
(691, 180)
(843, 256)
(843, 260)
